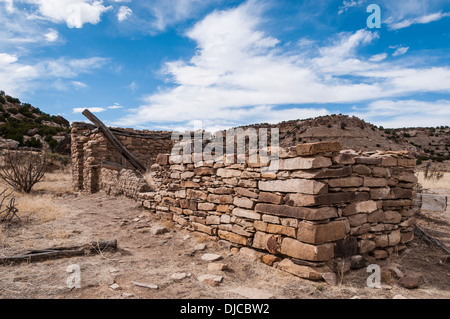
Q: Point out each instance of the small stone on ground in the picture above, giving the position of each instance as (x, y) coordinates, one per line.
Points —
(143, 285)
(211, 257)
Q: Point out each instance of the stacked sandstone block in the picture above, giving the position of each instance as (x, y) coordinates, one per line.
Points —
(90, 149)
(321, 204)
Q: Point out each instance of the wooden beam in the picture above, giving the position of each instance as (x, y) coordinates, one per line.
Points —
(114, 141)
(62, 252)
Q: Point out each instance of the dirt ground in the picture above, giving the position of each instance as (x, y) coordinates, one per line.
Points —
(54, 216)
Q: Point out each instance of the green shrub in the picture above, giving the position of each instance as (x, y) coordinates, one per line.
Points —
(53, 144)
(34, 142)
(12, 100)
(13, 110)
(2, 100)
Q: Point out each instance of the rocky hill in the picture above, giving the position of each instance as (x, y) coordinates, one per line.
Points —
(426, 144)
(25, 126)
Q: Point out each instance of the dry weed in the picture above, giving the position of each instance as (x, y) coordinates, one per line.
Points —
(42, 207)
(55, 182)
(150, 182)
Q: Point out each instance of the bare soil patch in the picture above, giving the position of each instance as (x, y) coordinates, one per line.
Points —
(152, 259)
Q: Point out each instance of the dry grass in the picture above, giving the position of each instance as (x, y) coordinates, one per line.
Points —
(40, 204)
(443, 183)
(56, 182)
(150, 182)
(42, 207)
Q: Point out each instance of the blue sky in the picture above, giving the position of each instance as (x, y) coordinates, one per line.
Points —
(164, 64)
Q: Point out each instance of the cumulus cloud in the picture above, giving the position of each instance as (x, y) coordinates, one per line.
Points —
(124, 13)
(239, 75)
(75, 13)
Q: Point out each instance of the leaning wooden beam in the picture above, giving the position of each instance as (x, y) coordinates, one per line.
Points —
(62, 252)
(114, 141)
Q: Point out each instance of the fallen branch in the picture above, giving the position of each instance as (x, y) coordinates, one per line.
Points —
(62, 252)
(429, 239)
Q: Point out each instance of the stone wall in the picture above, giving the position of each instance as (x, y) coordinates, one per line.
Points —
(90, 150)
(310, 211)
(322, 205)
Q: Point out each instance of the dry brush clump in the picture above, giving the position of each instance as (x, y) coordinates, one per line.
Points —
(8, 209)
(22, 170)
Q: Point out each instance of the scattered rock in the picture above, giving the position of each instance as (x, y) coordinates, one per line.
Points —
(200, 247)
(115, 286)
(395, 272)
(357, 262)
(211, 280)
(399, 297)
(225, 244)
(178, 276)
(270, 259)
(186, 237)
(217, 267)
(380, 254)
(330, 278)
(143, 285)
(127, 295)
(211, 257)
(250, 253)
(113, 270)
(136, 219)
(409, 282)
(386, 287)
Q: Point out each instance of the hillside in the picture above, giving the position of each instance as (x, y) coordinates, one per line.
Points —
(25, 126)
(426, 144)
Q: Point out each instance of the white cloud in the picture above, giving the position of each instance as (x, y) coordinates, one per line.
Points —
(92, 109)
(6, 59)
(418, 20)
(115, 106)
(406, 113)
(124, 13)
(347, 4)
(378, 57)
(79, 85)
(75, 13)
(17, 77)
(400, 51)
(240, 75)
(68, 68)
(9, 5)
(167, 13)
(52, 35)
